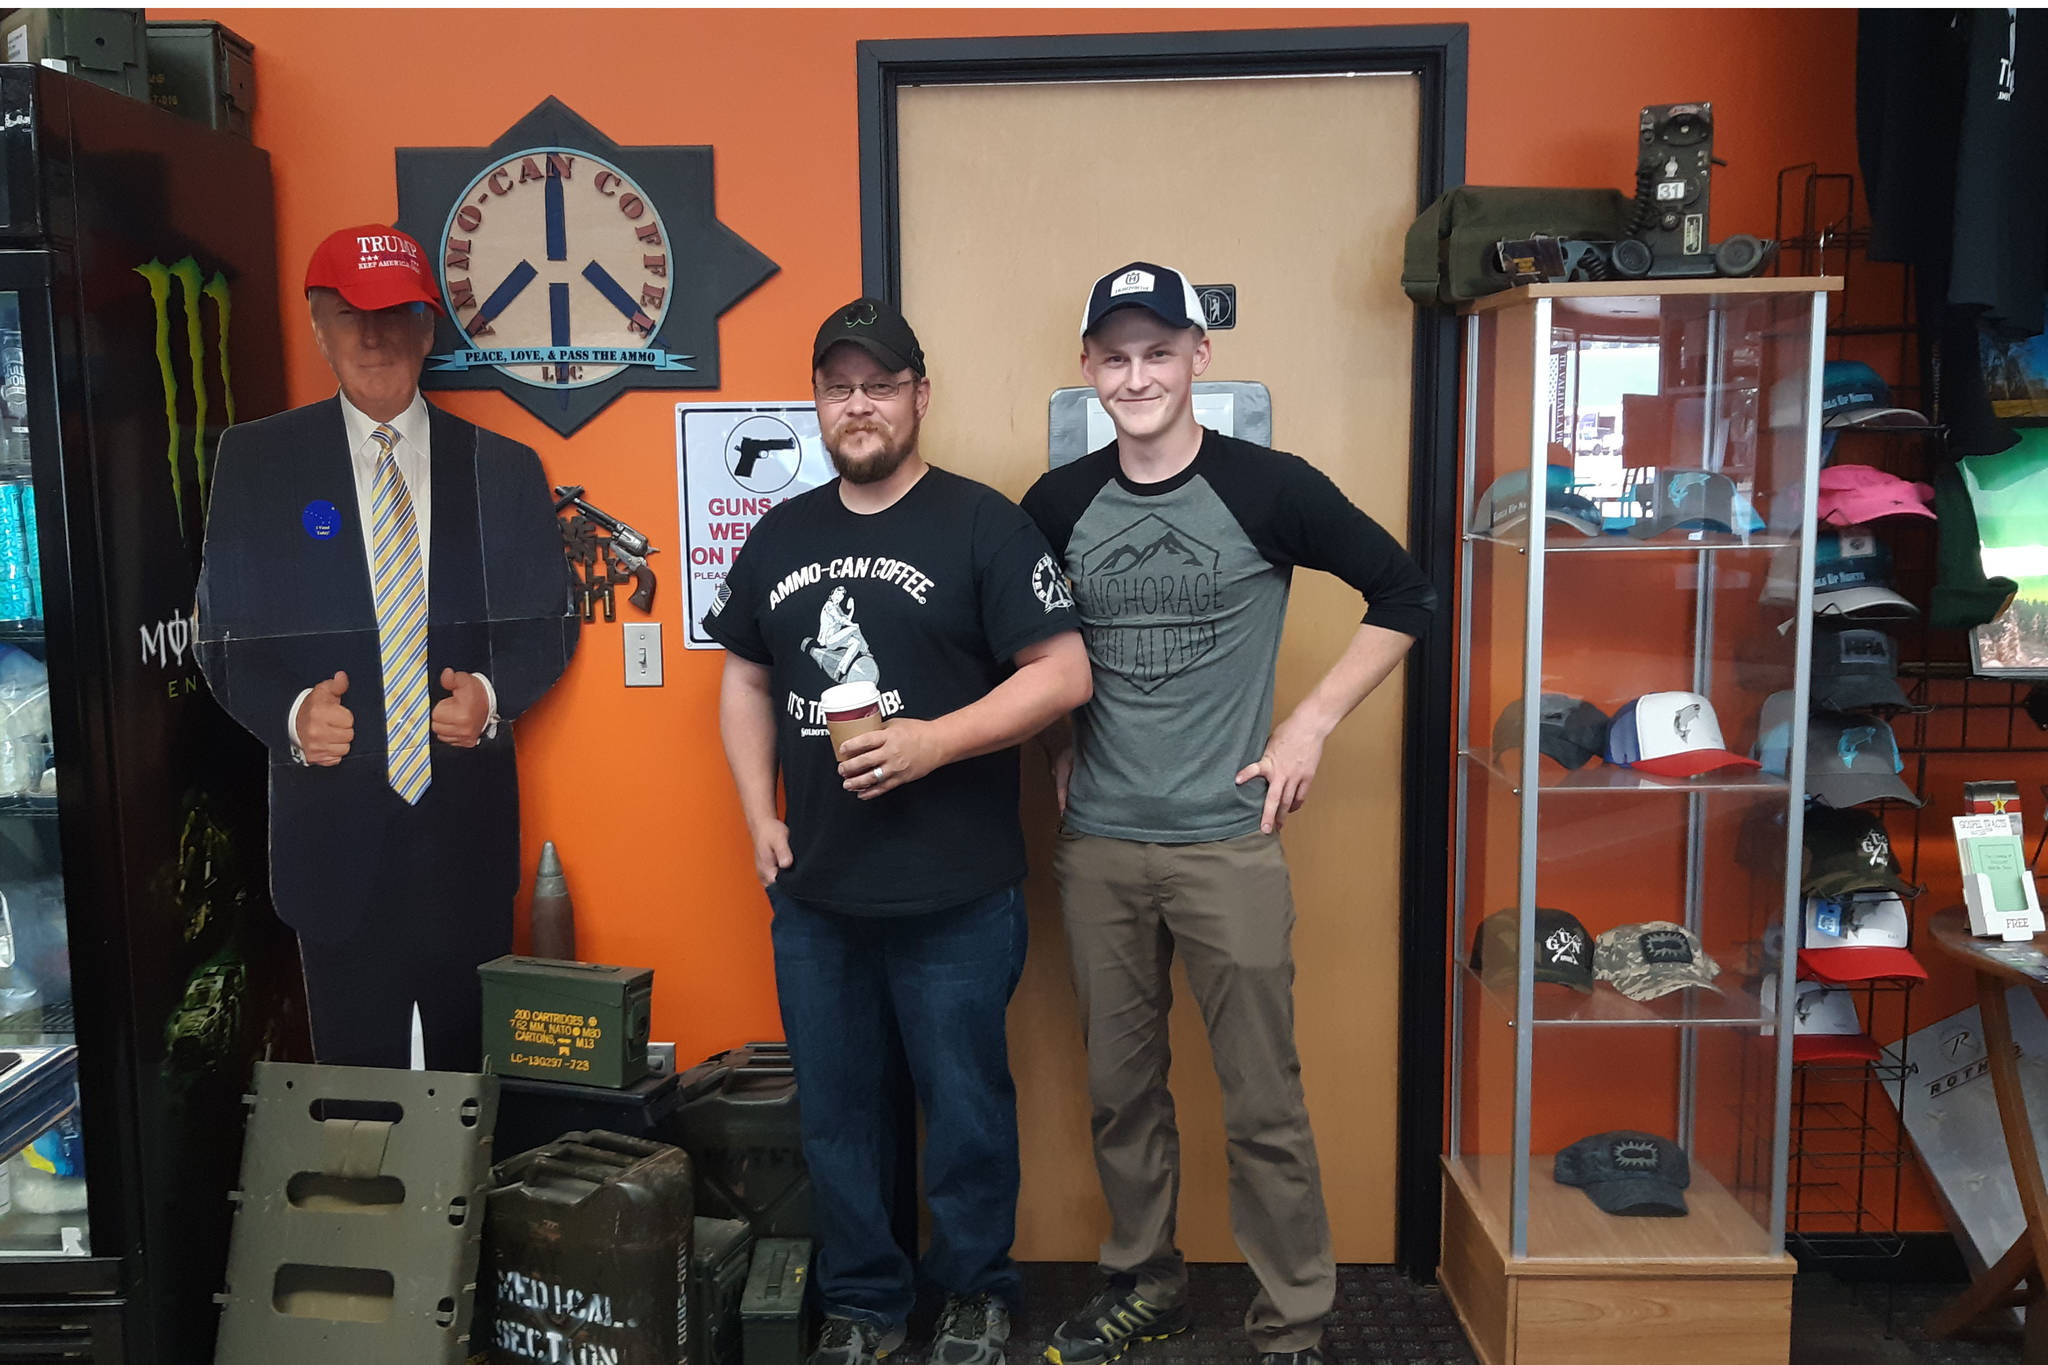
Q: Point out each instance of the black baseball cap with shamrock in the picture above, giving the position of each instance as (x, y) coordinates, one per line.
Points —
(876, 328)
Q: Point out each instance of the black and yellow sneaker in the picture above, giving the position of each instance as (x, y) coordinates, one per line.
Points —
(843, 1341)
(973, 1329)
(1112, 1320)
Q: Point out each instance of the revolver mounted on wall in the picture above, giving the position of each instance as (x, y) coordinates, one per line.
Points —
(603, 562)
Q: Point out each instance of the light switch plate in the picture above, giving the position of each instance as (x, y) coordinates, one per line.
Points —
(643, 653)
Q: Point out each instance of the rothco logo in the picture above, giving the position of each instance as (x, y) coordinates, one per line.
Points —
(573, 268)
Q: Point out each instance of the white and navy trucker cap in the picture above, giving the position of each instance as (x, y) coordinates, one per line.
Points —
(1670, 734)
(1164, 293)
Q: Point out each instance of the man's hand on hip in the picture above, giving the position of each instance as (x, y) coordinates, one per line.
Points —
(326, 728)
(883, 760)
(460, 717)
(1289, 766)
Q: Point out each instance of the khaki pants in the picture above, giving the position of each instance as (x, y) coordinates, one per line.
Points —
(1227, 907)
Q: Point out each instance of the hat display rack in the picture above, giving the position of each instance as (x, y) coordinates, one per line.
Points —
(1849, 1149)
(1850, 1152)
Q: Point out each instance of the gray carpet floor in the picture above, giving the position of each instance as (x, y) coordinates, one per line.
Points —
(1383, 1318)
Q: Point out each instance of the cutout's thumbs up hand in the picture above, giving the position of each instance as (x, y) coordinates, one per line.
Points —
(460, 717)
(326, 727)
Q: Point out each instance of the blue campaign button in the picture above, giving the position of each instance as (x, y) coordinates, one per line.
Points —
(322, 519)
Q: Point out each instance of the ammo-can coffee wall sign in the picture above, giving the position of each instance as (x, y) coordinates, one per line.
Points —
(573, 268)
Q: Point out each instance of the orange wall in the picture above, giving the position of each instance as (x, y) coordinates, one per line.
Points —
(631, 785)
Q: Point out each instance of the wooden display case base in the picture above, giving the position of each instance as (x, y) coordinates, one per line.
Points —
(1679, 1289)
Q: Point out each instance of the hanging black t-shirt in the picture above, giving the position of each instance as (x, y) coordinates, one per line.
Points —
(930, 600)
(1955, 165)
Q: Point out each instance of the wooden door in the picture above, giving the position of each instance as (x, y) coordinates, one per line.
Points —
(1298, 190)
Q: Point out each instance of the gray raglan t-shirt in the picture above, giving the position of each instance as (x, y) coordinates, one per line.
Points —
(1182, 590)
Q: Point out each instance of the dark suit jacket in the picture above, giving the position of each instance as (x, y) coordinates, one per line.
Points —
(285, 600)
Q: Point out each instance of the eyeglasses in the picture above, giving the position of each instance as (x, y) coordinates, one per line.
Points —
(880, 390)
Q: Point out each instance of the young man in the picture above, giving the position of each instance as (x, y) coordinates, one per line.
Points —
(1173, 784)
(894, 880)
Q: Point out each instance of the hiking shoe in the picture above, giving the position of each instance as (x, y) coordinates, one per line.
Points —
(1112, 1320)
(1312, 1356)
(844, 1341)
(972, 1330)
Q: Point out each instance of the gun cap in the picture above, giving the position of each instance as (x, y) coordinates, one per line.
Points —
(876, 328)
(374, 267)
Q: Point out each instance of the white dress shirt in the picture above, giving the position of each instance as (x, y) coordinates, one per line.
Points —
(414, 453)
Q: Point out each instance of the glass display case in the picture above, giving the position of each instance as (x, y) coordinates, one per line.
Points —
(1635, 620)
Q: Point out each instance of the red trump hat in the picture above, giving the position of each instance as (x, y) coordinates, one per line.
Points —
(374, 266)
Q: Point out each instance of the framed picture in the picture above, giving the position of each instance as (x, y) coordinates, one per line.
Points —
(2016, 377)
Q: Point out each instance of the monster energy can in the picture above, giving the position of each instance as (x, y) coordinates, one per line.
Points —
(33, 547)
(13, 395)
(17, 594)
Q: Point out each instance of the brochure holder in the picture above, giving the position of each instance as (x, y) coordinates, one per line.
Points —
(1987, 922)
(2013, 924)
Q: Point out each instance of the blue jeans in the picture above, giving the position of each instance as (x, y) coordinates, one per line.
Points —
(943, 982)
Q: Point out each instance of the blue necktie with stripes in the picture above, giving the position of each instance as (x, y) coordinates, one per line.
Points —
(400, 586)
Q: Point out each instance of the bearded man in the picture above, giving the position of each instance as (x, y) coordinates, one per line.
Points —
(894, 878)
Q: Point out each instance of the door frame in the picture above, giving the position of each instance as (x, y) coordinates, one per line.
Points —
(1436, 54)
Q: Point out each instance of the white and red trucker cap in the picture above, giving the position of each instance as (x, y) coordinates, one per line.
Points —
(1824, 1024)
(1671, 734)
(1856, 938)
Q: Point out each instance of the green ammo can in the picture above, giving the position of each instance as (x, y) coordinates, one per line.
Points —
(774, 1324)
(566, 1021)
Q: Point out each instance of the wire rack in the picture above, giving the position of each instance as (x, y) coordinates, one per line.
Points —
(1819, 233)
(1849, 1151)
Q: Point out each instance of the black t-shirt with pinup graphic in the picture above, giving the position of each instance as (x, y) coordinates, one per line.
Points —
(929, 600)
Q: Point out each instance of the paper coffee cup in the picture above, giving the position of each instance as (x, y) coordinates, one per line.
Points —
(851, 709)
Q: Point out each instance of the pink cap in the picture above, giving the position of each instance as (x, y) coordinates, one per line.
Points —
(1851, 494)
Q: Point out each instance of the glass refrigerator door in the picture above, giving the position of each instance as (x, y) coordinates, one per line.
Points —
(42, 1158)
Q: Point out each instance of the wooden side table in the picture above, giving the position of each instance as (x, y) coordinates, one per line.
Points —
(2000, 1286)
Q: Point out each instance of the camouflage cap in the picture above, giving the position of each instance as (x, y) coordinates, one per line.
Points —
(1652, 959)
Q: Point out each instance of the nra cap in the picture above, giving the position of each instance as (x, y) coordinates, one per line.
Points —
(374, 267)
(876, 328)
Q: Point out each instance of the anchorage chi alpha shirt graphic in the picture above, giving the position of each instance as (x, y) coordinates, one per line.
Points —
(930, 600)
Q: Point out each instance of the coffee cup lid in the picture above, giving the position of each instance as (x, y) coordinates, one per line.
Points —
(848, 696)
